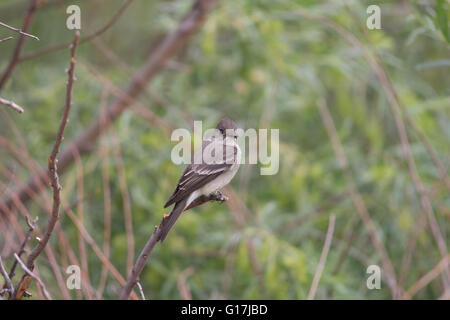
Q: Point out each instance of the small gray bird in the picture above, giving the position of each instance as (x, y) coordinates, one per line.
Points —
(220, 159)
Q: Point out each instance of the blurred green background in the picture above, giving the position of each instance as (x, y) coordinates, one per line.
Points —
(264, 64)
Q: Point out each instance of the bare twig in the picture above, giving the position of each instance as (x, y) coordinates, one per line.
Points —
(104, 259)
(140, 263)
(8, 284)
(428, 277)
(127, 215)
(6, 39)
(18, 49)
(104, 155)
(357, 198)
(95, 34)
(141, 292)
(57, 271)
(183, 288)
(80, 212)
(410, 249)
(43, 202)
(323, 258)
(52, 164)
(11, 104)
(32, 275)
(31, 226)
(18, 30)
(169, 46)
(154, 238)
(48, 251)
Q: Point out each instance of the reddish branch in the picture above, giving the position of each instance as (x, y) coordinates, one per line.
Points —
(143, 257)
(167, 49)
(323, 258)
(31, 226)
(53, 175)
(18, 49)
(32, 275)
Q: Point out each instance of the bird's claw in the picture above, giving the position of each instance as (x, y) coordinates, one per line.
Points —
(219, 196)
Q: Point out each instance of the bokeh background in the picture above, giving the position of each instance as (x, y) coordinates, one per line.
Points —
(267, 64)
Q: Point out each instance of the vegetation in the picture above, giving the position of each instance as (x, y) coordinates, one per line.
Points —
(341, 96)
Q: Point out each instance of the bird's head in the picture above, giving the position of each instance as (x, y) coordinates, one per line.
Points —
(227, 128)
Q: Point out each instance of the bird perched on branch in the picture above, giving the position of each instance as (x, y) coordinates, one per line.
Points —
(220, 157)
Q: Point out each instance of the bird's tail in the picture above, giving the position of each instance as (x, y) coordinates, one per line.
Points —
(169, 221)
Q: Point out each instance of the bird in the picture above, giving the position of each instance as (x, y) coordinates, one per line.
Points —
(207, 176)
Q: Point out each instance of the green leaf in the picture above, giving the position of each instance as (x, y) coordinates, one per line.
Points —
(441, 19)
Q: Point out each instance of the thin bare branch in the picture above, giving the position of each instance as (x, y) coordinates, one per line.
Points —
(140, 263)
(357, 198)
(18, 30)
(34, 276)
(104, 155)
(8, 284)
(52, 161)
(95, 34)
(183, 288)
(18, 49)
(323, 258)
(127, 215)
(141, 292)
(428, 277)
(11, 104)
(80, 212)
(52, 165)
(105, 260)
(48, 250)
(6, 39)
(31, 226)
(154, 238)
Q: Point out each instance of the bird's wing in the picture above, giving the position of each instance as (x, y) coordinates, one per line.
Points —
(198, 175)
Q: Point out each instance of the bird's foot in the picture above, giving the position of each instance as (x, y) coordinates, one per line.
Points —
(219, 196)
